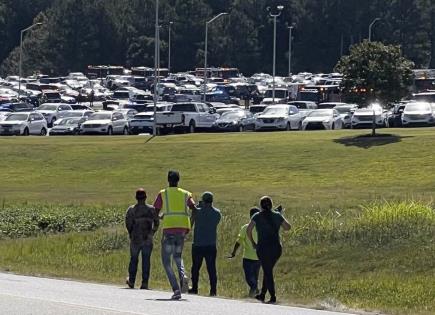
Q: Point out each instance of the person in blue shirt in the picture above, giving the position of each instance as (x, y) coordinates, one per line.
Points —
(206, 221)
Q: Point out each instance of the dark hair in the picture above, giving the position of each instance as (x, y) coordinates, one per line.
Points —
(253, 211)
(173, 177)
(266, 203)
(141, 194)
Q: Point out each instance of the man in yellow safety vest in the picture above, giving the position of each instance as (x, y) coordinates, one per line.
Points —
(173, 204)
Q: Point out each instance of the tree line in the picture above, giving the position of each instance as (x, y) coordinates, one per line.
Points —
(77, 33)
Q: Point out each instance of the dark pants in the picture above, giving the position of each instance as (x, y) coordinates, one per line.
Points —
(251, 269)
(135, 250)
(209, 254)
(268, 255)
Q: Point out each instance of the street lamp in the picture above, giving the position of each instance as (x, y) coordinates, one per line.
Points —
(156, 64)
(21, 52)
(371, 26)
(279, 10)
(169, 46)
(290, 39)
(205, 50)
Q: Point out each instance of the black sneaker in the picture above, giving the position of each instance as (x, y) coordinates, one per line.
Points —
(192, 291)
(130, 285)
(272, 300)
(212, 294)
(260, 297)
(144, 286)
(176, 295)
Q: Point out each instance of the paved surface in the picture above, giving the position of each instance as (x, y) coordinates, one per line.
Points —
(30, 295)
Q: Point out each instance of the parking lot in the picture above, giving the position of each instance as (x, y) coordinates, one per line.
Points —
(125, 102)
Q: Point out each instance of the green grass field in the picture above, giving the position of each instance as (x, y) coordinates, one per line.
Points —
(364, 224)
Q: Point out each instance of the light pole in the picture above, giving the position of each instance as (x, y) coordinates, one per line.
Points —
(279, 10)
(21, 53)
(169, 47)
(290, 39)
(156, 65)
(205, 51)
(371, 26)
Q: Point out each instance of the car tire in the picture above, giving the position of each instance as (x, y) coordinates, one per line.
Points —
(125, 132)
(52, 122)
(300, 126)
(26, 131)
(110, 131)
(288, 127)
(43, 132)
(192, 126)
(333, 126)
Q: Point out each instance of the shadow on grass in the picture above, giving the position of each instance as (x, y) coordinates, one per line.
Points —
(367, 141)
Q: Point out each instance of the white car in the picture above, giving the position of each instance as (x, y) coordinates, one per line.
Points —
(363, 118)
(281, 96)
(105, 122)
(53, 111)
(346, 111)
(327, 119)
(417, 113)
(24, 123)
(279, 117)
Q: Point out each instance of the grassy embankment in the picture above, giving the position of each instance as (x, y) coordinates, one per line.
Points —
(381, 257)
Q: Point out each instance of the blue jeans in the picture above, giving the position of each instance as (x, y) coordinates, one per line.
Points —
(135, 250)
(172, 249)
(251, 269)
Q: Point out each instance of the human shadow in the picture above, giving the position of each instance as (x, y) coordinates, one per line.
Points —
(166, 300)
(367, 141)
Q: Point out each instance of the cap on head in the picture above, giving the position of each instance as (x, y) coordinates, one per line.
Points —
(173, 177)
(141, 194)
(207, 197)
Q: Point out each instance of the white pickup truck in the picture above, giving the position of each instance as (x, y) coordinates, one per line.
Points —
(188, 116)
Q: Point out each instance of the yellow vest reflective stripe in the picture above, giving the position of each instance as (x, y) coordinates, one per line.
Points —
(175, 210)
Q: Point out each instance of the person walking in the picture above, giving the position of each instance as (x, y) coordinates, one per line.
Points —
(173, 204)
(141, 221)
(206, 221)
(269, 249)
(251, 264)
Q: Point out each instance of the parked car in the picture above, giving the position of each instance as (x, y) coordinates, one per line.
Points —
(257, 109)
(281, 96)
(394, 116)
(279, 117)
(16, 107)
(80, 107)
(83, 115)
(363, 118)
(143, 122)
(326, 119)
(236, 120)
(105, 122)
(67, 126)
(24, 123)
(127, 112)
(417, 114)
(305, 107)
(53, 111)
(330, 105)
(346, 111)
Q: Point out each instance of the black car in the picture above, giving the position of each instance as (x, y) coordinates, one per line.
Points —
(236, 120)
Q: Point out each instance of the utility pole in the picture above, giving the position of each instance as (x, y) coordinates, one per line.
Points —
(274, 16)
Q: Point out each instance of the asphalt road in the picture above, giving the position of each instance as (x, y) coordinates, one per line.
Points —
(31, 295)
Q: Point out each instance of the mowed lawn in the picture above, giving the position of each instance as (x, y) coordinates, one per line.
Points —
(338, 255)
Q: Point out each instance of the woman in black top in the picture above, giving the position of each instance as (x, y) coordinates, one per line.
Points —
(267, 224)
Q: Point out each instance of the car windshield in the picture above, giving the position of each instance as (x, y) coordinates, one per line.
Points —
(276, 111)
(100, 116)
(72, 114)
(418, 107)
(20, 117)
(68, 121)
(320, 113)
(48, 107)
(233, 115)
(343, 110)
(278, 94)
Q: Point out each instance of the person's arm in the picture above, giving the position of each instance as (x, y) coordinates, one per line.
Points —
(194, 209)
(285, 225)
(158, 203)
(236, 247)
(249, 233)
(129, 220)
(156, 221)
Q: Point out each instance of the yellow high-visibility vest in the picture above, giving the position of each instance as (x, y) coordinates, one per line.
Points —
(175, 209)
